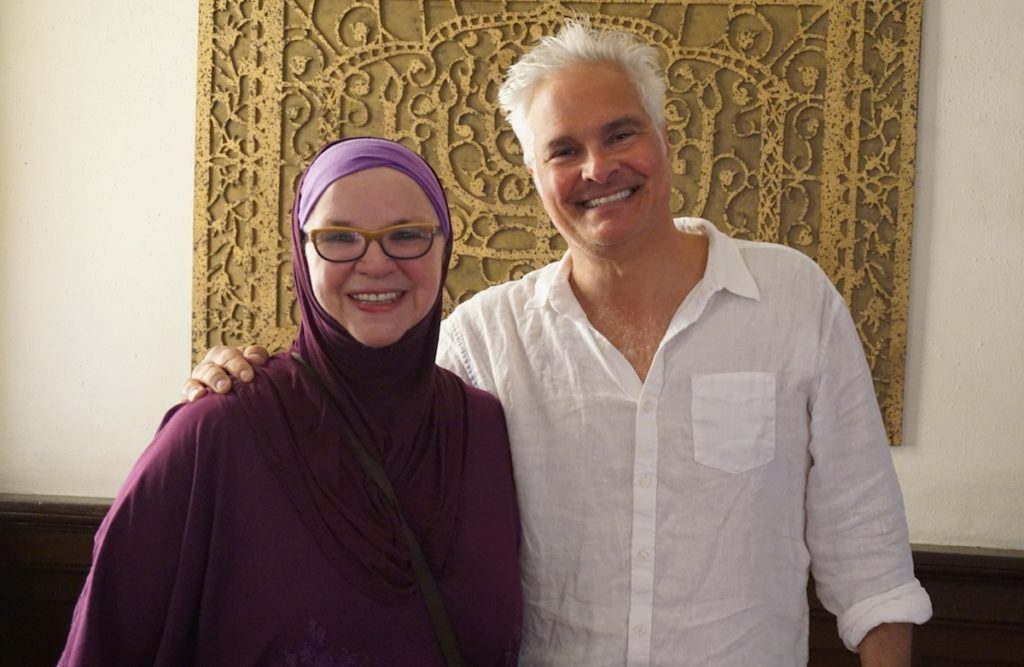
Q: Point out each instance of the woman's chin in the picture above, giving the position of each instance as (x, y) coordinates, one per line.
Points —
(377, 336)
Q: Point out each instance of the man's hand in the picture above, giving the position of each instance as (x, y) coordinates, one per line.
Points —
(221, 364)
(887, 645)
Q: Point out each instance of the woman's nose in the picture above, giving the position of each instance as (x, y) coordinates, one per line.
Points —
(374, 261)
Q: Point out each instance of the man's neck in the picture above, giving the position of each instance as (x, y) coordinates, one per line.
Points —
(630, 300)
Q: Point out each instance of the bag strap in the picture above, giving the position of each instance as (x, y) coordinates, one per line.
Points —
(443, 631)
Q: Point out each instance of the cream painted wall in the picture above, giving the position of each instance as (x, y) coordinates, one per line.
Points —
(962, 468)
(96, 142)
(97, 109)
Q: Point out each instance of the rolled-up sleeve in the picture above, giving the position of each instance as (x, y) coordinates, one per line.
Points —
(856, 526)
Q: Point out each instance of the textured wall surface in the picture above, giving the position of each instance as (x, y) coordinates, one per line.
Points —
(790, 122)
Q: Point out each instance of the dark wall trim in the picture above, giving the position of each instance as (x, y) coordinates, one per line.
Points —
(46, 548)
(45, 552)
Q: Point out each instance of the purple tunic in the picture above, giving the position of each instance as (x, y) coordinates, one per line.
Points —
(204, 559)
(247, 533)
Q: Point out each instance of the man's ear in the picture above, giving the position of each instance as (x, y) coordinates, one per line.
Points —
(533, 177)
(533, 173)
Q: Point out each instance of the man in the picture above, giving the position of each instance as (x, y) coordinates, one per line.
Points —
(693, 424)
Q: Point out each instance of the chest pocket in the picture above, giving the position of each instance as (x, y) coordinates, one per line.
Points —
(733, 420)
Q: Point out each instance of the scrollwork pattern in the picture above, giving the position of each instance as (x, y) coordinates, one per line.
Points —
(789, 121)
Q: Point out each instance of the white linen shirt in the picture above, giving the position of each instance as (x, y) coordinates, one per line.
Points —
(672, 521)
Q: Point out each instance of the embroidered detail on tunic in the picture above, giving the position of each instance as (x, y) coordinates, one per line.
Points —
(316, 653)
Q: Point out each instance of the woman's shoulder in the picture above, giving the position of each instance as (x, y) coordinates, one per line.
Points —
(224, 417)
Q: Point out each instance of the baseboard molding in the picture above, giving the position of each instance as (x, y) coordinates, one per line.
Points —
(45, 552)
(46, 549)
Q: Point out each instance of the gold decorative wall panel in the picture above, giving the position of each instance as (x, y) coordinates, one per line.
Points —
(789, 121)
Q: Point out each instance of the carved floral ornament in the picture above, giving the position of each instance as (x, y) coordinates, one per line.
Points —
(791, 122)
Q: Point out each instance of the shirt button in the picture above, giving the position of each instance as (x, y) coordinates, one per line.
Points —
(646, 407)
(646, 481)
(641, 630)
(644, 555)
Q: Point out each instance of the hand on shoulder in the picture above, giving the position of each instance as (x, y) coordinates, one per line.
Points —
(220, 365)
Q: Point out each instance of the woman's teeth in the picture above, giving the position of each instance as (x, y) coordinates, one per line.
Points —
(379, 297)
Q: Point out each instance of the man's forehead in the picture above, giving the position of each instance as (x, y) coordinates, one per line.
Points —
(589, 95)
(581, 81)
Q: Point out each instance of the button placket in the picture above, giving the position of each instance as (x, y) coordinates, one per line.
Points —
(645, 465)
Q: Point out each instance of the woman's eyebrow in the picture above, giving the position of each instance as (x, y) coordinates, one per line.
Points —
(405, 220)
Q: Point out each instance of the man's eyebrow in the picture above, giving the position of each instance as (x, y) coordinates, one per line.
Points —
(564, 141)
(627, 123)
(567, 141)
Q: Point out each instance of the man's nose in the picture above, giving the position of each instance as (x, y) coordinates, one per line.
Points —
(599, 166)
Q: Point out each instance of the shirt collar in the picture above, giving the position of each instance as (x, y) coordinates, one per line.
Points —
(725, 268)
(552, 287)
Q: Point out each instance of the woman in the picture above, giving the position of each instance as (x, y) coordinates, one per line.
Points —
(252, 530)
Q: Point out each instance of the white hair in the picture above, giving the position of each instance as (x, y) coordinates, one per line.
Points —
(577, 43)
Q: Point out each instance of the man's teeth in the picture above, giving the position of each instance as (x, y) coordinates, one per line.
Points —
(618, 196)
(380, 297)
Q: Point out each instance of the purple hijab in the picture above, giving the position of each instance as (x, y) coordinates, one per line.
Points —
(324, 342)
(408, 411)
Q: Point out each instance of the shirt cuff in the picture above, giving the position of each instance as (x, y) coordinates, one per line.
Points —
(908, 603)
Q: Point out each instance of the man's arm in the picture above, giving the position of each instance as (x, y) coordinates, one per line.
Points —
(221, 364)
(856, 528)
(886, 645)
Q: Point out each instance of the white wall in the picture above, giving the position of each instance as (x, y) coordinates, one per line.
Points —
(97, 109)
(96, 144)
(962, 468)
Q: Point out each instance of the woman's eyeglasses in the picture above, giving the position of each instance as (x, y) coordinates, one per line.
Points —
(347, 244)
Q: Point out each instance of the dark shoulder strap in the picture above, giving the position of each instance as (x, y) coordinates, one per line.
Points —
(428, 587)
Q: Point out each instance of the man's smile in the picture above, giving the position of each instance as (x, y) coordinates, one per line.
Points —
(600, 201)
